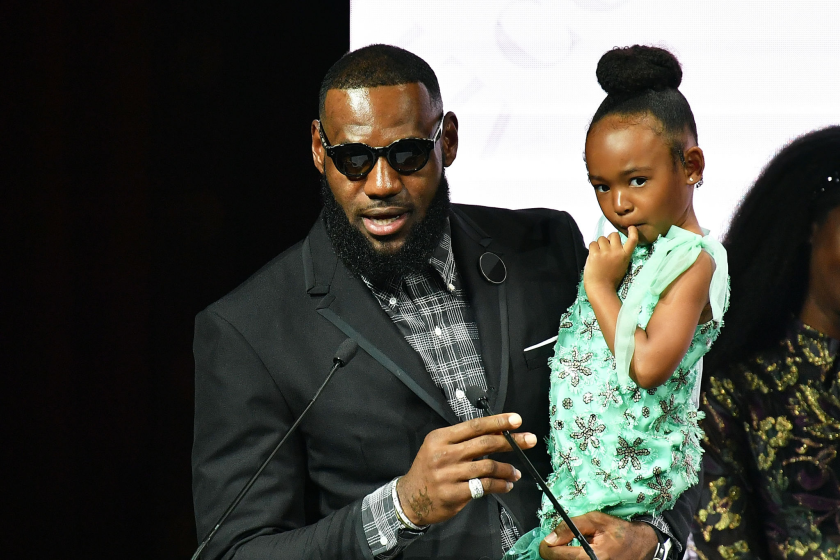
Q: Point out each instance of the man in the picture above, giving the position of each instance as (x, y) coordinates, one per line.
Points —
(393, 460)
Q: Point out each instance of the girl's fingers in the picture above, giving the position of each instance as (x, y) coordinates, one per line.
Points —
(604, 243)
(632, 239)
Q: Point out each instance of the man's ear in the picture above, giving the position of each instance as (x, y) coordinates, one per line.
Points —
(695, 163)
(449, 138)
(318, 152)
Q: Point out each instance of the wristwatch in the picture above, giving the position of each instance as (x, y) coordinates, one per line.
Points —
(665, 549)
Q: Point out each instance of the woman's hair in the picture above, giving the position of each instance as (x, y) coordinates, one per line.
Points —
(641, 80)
(768, 244)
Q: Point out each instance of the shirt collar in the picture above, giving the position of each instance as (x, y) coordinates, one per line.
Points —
(442, 259)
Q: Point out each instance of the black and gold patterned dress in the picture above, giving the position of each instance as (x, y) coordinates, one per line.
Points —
(771, 470)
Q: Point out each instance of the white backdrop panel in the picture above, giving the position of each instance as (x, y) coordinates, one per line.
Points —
(520, 75)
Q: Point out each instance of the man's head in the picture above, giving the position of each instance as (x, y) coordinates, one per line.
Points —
(377, 96)
(379, 65)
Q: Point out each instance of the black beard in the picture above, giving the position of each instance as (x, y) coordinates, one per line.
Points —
(358, 253)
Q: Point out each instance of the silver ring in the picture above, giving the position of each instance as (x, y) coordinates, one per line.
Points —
(476, 488)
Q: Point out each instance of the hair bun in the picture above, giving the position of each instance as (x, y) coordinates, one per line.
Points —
(628, 70)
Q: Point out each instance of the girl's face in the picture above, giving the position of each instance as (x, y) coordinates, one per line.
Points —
(636, 180)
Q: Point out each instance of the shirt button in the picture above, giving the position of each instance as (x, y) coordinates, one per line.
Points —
(438, 331)
(451, 287)
(392, 301)
(459, 393)
(383, 541)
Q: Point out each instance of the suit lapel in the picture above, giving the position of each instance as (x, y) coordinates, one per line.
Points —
(350, 306)
(488, 302)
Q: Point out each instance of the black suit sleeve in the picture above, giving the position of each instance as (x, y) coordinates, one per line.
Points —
(240, 416)
(681, 517)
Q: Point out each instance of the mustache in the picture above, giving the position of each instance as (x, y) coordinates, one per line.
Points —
(396, 201)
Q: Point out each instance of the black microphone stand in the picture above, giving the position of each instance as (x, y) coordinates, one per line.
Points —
(343, 355)
(479, 399)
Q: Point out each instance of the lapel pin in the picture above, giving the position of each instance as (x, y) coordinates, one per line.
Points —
(492, 267)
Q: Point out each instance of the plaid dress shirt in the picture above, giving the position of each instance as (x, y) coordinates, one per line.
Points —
(431, 311)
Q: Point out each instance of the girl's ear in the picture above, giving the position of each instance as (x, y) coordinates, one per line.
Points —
(695, 163)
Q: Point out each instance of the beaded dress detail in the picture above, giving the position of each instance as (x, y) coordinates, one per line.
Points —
(616, 447)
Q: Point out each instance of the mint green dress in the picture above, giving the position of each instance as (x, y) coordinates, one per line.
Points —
(615, 447)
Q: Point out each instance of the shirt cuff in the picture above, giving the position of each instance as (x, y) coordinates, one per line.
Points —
(658, 522)
(386, 535)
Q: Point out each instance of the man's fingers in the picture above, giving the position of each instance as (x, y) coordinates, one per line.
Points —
(553, 547)
(562, 534)
(490, 469)
(525, 440)
(481, 426)
(495, 486)
(589, 523)
(632, 239)
(562, 552)
(495, 443)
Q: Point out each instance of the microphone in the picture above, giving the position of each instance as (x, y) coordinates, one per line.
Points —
(345, 352)
(478, 398)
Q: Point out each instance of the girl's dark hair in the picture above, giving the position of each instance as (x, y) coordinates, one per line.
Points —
(644, 80)
(768, 244)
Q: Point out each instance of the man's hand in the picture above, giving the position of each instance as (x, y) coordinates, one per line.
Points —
(608, 260)
(436, 487)
(611, 538)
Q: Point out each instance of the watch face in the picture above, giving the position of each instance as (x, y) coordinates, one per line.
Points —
(663, 549)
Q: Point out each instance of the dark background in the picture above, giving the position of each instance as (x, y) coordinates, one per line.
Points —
(154, 155)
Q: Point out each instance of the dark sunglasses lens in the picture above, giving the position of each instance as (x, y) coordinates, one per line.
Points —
(353, 160)
(408, 155)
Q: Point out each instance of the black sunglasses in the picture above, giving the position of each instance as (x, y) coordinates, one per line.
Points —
(355, 160)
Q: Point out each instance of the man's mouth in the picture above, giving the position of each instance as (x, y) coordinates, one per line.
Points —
(385, 223)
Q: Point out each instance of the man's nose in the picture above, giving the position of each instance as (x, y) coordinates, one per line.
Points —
(622, 203)
(382, 181)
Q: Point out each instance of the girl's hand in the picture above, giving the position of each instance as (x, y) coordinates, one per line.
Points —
(608, 260)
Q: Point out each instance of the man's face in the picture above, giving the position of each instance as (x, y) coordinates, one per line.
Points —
(384, 205)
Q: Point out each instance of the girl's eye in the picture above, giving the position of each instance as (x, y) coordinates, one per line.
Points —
(601, 188)
(638, 181)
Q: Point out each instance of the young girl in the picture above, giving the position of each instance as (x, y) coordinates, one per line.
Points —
(627, 363)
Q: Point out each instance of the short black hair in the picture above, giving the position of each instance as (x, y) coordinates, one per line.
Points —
(644, 80)
(768, 245)
(379, 65)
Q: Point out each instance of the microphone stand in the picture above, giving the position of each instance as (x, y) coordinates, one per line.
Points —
(344, 354)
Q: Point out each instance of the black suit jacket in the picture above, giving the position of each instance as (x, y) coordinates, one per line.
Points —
(262, 351)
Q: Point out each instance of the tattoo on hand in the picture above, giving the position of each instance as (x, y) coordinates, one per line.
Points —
(619, 531)
(421, 504)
